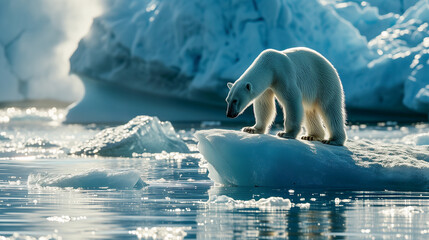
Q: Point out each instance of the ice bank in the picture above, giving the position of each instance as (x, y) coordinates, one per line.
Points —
(141, 134)
(243, 159)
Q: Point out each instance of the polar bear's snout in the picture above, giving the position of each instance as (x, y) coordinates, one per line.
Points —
(231, 110)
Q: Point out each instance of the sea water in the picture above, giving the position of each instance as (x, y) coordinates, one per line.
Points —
(174, 197)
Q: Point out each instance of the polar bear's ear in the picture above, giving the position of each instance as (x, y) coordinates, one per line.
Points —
(229, 85)
(249, 87)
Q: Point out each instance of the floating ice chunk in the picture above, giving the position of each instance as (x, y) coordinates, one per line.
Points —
(271, 203)
(92, 179)
(338, 201)
(243, 159)
(4, 137)
(303, 205)
(170, 233)
(141, 134)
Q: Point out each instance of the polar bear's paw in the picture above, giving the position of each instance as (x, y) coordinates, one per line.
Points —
(252, 130)
(310, 138)
(283, 134)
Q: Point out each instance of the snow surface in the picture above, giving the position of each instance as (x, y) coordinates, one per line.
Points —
(141, 134)
(242, 159)
(189, 49)
(92, 179)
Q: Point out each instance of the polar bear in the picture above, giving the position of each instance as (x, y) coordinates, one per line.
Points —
(304, 83)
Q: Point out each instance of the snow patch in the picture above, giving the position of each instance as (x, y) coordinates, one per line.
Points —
(92, 179)
(237, 158)
(141, 134)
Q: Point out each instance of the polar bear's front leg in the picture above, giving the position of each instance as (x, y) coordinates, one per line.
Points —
(293, 112)
(264, 109)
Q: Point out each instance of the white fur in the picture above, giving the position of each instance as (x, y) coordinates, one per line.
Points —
(307, 87)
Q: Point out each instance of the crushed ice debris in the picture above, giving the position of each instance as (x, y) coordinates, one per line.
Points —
(266, 204)
(92, 179)
(39, 142)
(65, 219)
(142, 134)
(241, 159)
(31, 114)
(405, 211)
(337, 201)
(167, 233)
(17, 236)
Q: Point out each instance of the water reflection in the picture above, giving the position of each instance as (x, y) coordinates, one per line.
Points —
(360, 215)
(177, 199)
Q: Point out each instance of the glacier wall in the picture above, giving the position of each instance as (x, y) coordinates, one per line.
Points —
(192, 48)
(189, 49)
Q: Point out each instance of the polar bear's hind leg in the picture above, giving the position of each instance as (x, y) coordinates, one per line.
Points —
(313, 126)
(333, 118)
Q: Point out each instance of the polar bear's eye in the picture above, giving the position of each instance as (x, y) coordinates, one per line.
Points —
(234, 101)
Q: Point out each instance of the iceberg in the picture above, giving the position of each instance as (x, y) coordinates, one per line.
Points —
(142, 134)
(37, 40)
(184, 52)
(92, 179)
(363, 16)
(241, 159)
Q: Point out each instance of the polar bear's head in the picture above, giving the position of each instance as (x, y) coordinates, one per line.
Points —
(240, 96)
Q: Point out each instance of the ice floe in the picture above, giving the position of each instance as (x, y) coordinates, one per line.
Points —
(92, 179)
(243, 159)
(142, 134)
